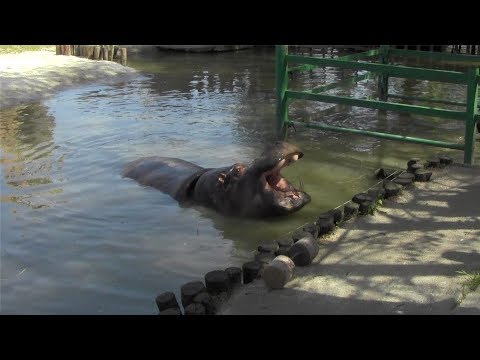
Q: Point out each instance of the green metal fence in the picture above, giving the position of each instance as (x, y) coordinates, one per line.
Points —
(383, 70)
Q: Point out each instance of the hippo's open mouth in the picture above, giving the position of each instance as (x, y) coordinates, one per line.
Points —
(286, 195)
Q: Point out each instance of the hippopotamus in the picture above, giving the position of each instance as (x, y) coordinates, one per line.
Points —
(254, 190)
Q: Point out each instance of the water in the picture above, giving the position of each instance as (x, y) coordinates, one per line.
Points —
(77, 238)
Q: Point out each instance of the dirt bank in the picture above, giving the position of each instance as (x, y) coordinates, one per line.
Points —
(35, 75)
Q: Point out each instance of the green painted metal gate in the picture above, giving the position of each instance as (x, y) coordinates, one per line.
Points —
(383, 70)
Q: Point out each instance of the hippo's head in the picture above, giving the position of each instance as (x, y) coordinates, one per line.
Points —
(260, 189)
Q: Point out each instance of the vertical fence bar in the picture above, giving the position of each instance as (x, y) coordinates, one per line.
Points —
(383, 78)
(281, 84)
(472, 103)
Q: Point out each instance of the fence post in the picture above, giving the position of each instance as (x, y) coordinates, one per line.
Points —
(281, 85)
(383, 78)
(472, 103)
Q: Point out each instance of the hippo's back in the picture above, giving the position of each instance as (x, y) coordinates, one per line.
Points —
(170, 175)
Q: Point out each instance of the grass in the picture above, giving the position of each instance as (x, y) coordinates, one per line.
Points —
(15, 49)
(470, 284)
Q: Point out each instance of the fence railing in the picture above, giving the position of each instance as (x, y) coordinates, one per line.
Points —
(384, 70)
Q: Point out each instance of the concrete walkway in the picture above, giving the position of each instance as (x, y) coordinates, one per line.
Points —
(402, 260)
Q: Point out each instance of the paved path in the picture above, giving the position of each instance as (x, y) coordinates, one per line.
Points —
(402, 260)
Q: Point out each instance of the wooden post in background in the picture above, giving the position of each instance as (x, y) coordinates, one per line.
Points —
(110, 52)
(96, 52)
(105, 52)
(123, 56)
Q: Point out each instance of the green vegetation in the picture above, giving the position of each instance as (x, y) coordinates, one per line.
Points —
(470, 284)
(13, 49)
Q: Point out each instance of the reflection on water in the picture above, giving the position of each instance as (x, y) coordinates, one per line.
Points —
(78, 238)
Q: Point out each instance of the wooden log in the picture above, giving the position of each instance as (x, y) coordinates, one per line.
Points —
(423, 175)
(217, 281)
(365, 207)
(123, 56)
(166, 301)
(337, 215)
(105, 52)
(350, 210)
(264, 258)
(267, 248)
(171, 311)
(391, 189)
(299, 234)
(325, 223)
(190, 290)
(194, 308)
(251, 270)
(207, 301)
(234, 275)
(413, 161)
(65, 49)
(445, 160)
(90, 50)
(96, 52)
(285, 242)
(279, 272)
(414, 167)
(361, 197)
(304, 251)
(110, 52)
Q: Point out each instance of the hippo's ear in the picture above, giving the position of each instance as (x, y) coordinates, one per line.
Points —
(223, 179)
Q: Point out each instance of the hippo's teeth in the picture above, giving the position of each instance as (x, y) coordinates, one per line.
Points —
(279, 166)
(295, 157)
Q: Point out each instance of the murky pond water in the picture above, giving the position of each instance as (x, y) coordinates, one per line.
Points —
(77, 238)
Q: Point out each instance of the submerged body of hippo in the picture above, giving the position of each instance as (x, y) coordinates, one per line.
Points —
(255, 190)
